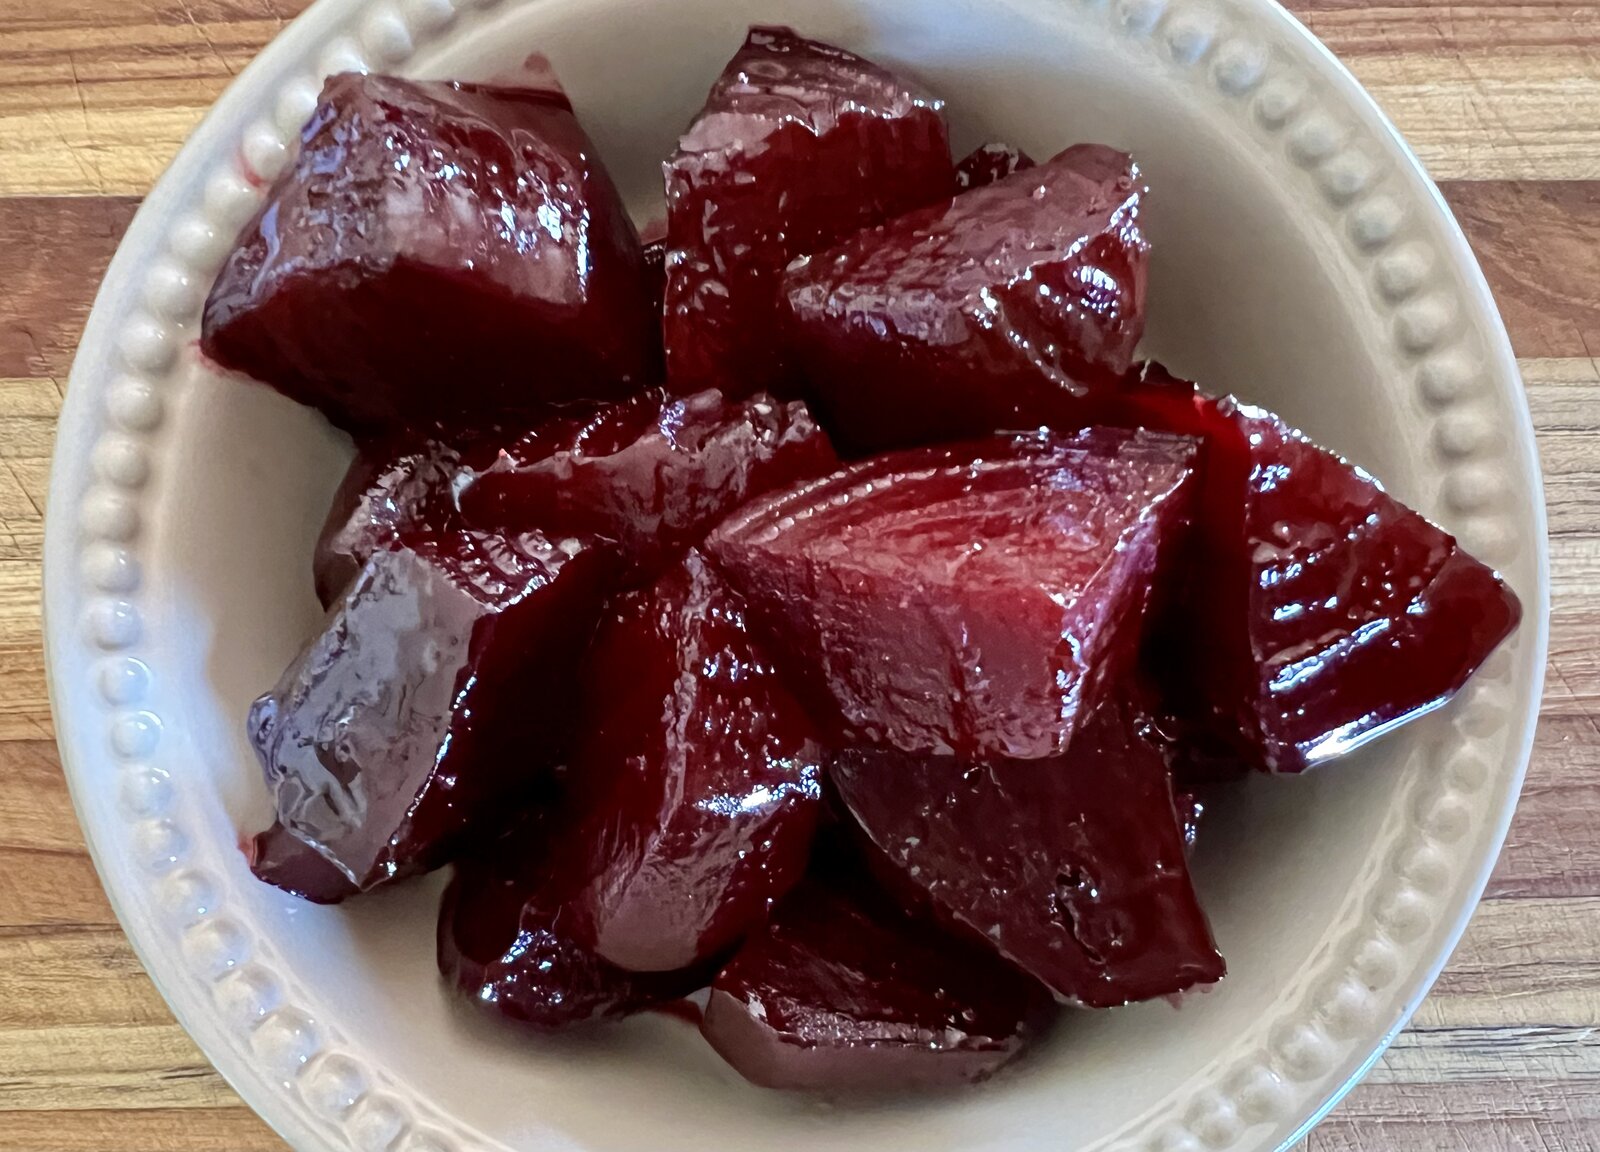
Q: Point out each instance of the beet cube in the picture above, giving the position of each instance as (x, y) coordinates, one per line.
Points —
(653, 473)
(964, 317)
(1319, 611)
(835, 996)
(990, 162)
(799, 145)
(969, 599)
(437, 695)
(505, 943)
(700, 773)
(1072, 868)
(437, 253)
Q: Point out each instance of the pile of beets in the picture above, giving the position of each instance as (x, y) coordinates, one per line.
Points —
(820, 604)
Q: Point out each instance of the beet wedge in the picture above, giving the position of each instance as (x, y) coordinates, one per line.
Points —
(438, 253)
(971, 599)
(437, 696)
(838, 995)
(505, 944)
(1071, 868)
(971, 315)
(1320, 611)
(653, 473)
(700, 770)
(799, 145)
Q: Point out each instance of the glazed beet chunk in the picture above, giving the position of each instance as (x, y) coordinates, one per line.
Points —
(437, 694)
(285, 861)
(799, 145)
(700, 770)
(968, 599)
(836, 996)
(968, 316)
(1072, 868)
(653, 473)
(990, 162)
(392, 488)
(438, 253)
(505, 944)
(1319, 611)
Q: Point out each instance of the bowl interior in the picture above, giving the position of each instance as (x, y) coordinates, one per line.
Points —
(1252, 291)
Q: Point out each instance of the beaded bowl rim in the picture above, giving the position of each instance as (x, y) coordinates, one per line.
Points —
(1272, 1084)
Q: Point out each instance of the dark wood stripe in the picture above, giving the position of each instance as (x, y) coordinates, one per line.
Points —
(1539, 244)
(53, 251)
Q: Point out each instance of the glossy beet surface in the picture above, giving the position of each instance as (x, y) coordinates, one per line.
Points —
(1318, 610)
(1072, 868)
(838, 996)
(505, 943)
(392, 488)
(963, 317)
(701, 771)
(799, 144)
(990, 162)
(426, 238)
(437, 695)
(970, 598)
(653, 473)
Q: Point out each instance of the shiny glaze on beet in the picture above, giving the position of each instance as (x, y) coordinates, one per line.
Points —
(391, 488)
(963, 599)
(1318, 611)
(505, 943)
(436, 696)
(653, 473)
(990, 162)
(1072, 868)
(427, 236)
(960, 318)
(838, 995)
(1191, 809)
(700, 770)
(799, 144)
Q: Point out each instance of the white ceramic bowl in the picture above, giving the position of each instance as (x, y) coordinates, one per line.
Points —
(1301, 259)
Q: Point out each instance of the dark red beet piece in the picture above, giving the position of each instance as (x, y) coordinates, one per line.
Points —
(970, 315)
(1319, 611)
(835, 996)
(391, 488)
(1072, 868)
(282, 859)
(654, 473)
(428, 238)
(990, 162)
(799, 144)
(700, 770)
(437, 694)
(968, 599)
(505, 943)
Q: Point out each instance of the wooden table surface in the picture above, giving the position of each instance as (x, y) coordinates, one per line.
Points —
(1501, 100)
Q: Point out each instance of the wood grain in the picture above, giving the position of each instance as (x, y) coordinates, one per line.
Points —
(1502, 100)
